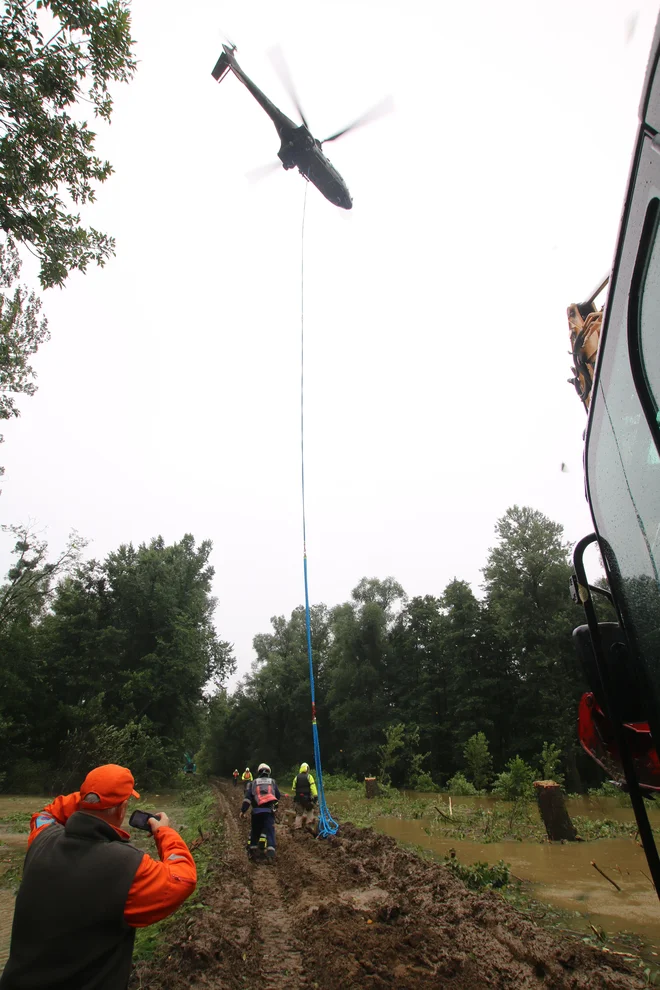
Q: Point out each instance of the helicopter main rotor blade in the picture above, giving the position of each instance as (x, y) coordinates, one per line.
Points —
(385, 106)
(282, 69)
(256, 174)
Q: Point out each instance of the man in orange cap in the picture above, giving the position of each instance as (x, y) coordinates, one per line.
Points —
(85, 889)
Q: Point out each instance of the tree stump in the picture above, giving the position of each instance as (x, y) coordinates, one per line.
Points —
(371, 787)
(553, 811)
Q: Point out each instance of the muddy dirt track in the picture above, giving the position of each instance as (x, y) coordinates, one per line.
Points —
(357, 911)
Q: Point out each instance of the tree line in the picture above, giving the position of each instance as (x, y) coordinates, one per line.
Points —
(119, 661)
(403, 684)
(105, 661)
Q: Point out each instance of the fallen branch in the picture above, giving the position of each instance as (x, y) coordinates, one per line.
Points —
(614, 884)
(647, 877)
(612, 952)
(442, 814)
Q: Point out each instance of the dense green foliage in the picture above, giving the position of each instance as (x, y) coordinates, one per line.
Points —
(55, 56)
(109, 664)
(57, 61)
(119, 661)
(478, 761)
(479, 876)
(409, 688)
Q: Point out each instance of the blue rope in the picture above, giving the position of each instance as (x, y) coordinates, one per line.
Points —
(327, 824)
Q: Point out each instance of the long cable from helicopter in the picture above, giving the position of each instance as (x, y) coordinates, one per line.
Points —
(327, 824)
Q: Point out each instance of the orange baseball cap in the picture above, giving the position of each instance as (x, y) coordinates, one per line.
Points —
(106, 787)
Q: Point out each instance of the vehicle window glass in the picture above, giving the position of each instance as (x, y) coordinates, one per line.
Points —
(623, 465)
(649, 322)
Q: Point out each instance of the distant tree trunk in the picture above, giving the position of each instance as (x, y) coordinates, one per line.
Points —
(371, 787)
(553, 811)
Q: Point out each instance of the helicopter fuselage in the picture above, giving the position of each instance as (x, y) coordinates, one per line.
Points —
(299, 148)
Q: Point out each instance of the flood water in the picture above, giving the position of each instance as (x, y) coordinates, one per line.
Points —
(562, 875)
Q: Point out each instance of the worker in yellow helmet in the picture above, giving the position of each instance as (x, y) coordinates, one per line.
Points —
(305, 796)
(247, 776)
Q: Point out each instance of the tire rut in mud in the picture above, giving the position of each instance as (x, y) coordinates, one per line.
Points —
(357, 911)
(276, 954)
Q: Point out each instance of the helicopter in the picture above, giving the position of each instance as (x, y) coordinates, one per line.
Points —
(299, 148)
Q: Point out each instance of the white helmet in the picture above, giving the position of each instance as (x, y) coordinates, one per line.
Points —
(263, 766)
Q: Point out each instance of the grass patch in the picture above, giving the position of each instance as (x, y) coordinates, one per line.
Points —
(17, 821)
(199, 819)
(518, 820)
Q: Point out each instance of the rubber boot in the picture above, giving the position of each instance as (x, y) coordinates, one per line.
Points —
(270, 854)
(253, 852)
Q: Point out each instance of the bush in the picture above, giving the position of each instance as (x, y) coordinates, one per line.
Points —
(480, 875)
(458, 786)
(478, 761)
(340, 782)
(609, 789)
(516, 781)
(424, 782)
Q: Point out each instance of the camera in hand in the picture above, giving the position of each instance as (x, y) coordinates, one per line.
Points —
(140, 819)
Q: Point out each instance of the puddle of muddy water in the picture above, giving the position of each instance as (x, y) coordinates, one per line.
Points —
(562, 875)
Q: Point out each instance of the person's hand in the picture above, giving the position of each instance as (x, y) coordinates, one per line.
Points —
(161, 822)
(243, 814)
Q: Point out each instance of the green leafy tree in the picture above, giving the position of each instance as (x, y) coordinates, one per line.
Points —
(526, 577)
(49, 167)
(29, 584)
(515, 783)
(21, 333)
(57, 58)
(549, 762)
(125, 652)
(391, 750)
(24, 600)
(478, 761)
(360, 660)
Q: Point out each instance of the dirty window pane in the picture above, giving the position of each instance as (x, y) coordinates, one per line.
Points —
(624, 470)
(649, 329)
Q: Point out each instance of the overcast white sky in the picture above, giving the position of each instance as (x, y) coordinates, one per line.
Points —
(435, 311)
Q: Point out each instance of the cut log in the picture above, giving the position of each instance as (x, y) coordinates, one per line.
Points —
(553, 811)
(371, 787)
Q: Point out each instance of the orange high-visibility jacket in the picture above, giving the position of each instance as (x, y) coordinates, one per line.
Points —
(158, 888)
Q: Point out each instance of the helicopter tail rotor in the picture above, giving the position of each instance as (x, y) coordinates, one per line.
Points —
(223, 65)
(380, 110)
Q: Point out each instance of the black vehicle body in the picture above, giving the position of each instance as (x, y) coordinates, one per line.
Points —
(299, 148)
(622, 469)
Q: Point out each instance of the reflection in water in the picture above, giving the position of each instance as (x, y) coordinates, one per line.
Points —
(562, 874)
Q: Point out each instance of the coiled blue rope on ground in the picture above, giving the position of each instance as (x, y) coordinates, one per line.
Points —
(327, 824)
